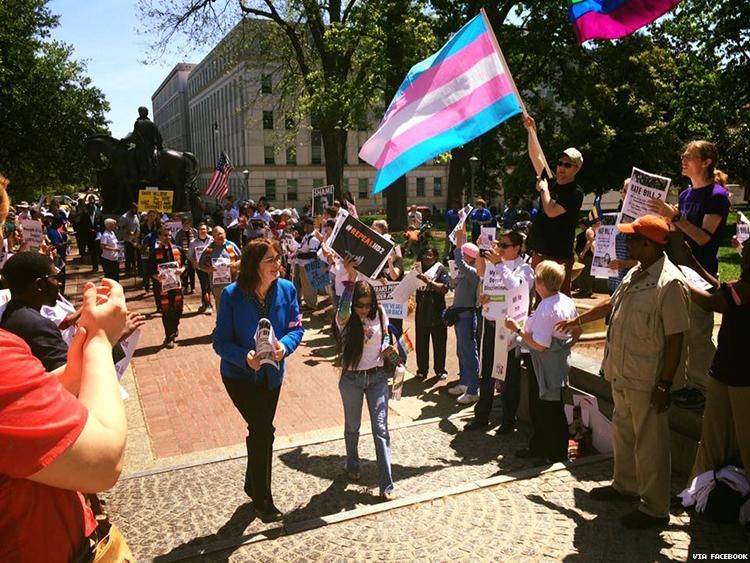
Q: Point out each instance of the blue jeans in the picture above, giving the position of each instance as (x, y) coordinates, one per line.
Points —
(354, 386)
(468, 356)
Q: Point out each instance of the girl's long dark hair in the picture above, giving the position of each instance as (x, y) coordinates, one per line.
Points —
(353, 333)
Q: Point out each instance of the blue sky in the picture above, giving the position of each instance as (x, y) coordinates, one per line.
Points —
(103, 34)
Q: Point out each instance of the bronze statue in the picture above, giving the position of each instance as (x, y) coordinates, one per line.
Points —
(146, 137)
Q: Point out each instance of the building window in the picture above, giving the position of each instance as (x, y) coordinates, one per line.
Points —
(269, 156)
(271, 189)
(266, 84)
(291, 190)
(420, 187)
(267, 119)
(291, 155)
(363, 186)
(316, 144)
(318, 182)
(437, 186)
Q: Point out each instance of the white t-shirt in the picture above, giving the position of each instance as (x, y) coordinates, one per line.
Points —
(541, 323)
(374, 341)
(109, 238)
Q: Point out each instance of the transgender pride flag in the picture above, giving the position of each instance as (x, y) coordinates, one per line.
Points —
(612, 19)
(456, 95)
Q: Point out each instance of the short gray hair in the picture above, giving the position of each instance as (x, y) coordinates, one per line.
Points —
(380, 224)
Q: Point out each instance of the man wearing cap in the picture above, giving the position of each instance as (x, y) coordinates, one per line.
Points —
(648, 318)
(553, 230)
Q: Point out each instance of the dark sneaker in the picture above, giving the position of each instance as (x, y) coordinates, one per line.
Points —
(268, 512)
(609, 493)
(169, 343)
(638, 520)
(477, 425)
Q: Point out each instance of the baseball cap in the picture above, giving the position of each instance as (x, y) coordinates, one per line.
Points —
(652, 227)
(470, 249)
(574, 155)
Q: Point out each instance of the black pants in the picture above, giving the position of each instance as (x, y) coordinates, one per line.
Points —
(131, 258)
(439, 335)
(257, 405)
(188, 278)
(170, 306)
(205, 280)
(94, 251)
(511, 390)
(549, 437)
(111, 269)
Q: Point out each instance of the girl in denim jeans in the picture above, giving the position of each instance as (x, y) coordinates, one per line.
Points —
(363, 339)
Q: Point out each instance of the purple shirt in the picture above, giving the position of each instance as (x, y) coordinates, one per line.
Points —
(695, 204)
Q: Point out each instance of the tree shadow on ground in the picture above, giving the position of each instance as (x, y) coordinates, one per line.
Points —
(229, 537)
(598, 539)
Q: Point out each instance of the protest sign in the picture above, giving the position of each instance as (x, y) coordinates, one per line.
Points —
(155, 199)
(643, 188)
(128, 346)
(463, 214)
(222, 274)
(32, 232)
(605, 249)
(743, 229)
(199, 250)
(168, 276)
(695, 279)
(452, 269)
(354, 239)
(317, 274)
(486, 238)
(407, 286)
(384, 293)
(352, 209)
(321, 199)
(516, 306)
(174, 227)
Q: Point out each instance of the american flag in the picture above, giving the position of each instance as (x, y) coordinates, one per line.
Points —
(218, 187)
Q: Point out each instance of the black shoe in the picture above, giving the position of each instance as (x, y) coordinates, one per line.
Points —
(169, 343)
(609, 493)
(268, 512)
(505, 428)
(421, 376)
(638, 520)
(476, 425)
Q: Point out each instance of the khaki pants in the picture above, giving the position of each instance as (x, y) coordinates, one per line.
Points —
(640, 438)
(216, 292)
(698, 353)
(309, 293)
(725, 435)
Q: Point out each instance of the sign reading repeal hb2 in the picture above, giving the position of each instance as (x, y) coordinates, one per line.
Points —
(158, 200)
(354, 239)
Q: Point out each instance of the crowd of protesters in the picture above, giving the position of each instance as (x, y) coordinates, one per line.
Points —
(252, 265)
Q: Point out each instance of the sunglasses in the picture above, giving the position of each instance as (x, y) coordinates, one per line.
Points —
(359, 305)
(564, 164)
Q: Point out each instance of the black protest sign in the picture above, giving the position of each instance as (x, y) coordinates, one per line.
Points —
(322, 198)
(354, 239)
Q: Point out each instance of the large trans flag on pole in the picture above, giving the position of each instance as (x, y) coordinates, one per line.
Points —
(612, 19)
(454, 96)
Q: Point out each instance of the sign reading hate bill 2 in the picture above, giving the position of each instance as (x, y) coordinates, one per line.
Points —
(158, 200)
(354, 239)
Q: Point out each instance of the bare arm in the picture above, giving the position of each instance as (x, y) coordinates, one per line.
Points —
(551, 208)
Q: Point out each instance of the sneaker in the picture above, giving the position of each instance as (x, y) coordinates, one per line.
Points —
(169, 343)
(389, 495)
(442, 376)
(476, 425)
(420, 375)
(609, 493)
(467, 399)
(268, 512)
(209, 310)
(201, 309)
(458, 390)
(638, 520)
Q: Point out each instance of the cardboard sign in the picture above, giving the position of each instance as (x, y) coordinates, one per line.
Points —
(354, 239)
(321, 198)
(156, 199)
(317, 274)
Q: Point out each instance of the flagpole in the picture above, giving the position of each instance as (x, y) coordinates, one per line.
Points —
(525, 113)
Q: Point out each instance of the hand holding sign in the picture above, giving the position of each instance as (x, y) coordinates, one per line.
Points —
(350, 265)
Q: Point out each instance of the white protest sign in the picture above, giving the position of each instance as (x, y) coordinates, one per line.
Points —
(605, 248)
(384, 293)
(486, 238)
(168, 276)
(743, 229)
(452, 269)
(463, 214)
(643, 188)
(222, 274)
(32, 232)
(694, 278)
(513, 303)
(407, 287)
(128, 346)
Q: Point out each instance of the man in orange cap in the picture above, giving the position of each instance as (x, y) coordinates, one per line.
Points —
(648, 317)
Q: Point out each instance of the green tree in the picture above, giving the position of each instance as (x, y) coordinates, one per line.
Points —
(47, 104)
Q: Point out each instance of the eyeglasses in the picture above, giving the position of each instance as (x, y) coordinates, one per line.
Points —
(271, 259)
(360, 305)
(564, 164)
